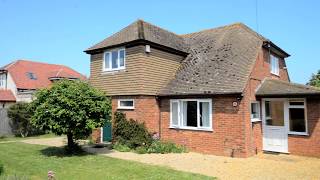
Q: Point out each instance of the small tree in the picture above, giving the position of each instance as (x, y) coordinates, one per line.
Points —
(315, 80)
(69, 107)
(20, 116)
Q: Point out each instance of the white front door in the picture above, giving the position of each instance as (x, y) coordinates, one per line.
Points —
(274, 115)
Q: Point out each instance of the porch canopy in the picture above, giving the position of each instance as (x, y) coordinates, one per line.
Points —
(278, 88)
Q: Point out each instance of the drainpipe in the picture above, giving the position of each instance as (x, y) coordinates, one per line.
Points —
(159, 120)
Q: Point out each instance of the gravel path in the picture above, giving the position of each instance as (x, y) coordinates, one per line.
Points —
(262, 166)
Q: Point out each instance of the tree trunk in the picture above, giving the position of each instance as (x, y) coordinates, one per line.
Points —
(70, 141)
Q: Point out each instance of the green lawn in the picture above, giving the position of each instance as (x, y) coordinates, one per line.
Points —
(34, 161)
(13, 138)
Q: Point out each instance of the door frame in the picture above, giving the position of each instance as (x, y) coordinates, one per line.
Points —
(286, 122)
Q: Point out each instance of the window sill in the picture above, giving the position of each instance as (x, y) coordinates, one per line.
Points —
(255, 120)
(278, 75)
(192, 128)
(112, 71)
(125, 108)
(298, 133)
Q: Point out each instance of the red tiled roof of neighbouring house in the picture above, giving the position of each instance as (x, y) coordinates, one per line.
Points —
(34, 75)
(6, 95)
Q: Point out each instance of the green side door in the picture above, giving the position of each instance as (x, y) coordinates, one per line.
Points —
(107, 132)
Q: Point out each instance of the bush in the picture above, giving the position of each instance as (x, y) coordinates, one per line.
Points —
(165, 147)
(130, 133)
(1, 168)
(141, 150)
(20, 116)
(121, 147)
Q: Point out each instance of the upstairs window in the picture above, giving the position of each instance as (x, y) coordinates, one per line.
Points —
(192, 114)
(114, 60)
(274, 63)
(31, 76)
(2, 80)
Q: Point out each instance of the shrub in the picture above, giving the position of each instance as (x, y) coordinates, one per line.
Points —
(121, 147)
(141, 150)
(20, 117)
(1, 168)
(165, 147)
(130, 132)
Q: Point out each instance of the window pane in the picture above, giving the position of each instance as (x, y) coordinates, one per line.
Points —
(126, 103)
(296, 103)
(114, 59)
(255, 114)
(204, 114)
(107, 60)
(122, 52)
(190, 113)
(175, 113)
(267, 104)
(297, 120)
(276, 113)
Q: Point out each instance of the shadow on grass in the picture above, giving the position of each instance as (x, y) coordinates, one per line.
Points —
(63, 152)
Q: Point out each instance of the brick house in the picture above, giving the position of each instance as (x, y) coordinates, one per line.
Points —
(20, 79)
(223, 91)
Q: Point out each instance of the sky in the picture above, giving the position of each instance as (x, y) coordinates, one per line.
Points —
(58, 31)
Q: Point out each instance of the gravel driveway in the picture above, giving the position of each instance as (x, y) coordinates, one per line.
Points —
(262, 166)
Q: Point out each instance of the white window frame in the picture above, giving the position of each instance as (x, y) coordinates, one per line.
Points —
(125, 107)
(118, 60)
(180, 115)
(2, 81)
(274, 64)
(259, 111)
(305, 115)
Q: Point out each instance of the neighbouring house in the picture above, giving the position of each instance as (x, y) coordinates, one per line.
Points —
(223, 91)
(20, 79)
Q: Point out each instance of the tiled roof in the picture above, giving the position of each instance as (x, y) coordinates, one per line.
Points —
(6, 95)
(220, 61)
(141, 30)
(273, 87)
(21, 71)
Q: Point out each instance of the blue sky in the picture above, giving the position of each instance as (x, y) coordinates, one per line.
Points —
(58, 31)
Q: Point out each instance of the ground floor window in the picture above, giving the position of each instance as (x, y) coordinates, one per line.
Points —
(297, 117)
(191, 114)
(125, 104)
(255, 111)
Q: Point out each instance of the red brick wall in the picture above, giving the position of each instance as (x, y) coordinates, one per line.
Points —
(145, 110)
(260, 71)
(227, 137)
(308, 145)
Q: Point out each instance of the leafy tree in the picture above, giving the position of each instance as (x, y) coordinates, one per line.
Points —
(315, 80)
(69, 107)
(20, 116)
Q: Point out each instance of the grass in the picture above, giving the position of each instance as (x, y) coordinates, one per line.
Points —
(13, 138)
(34, 162)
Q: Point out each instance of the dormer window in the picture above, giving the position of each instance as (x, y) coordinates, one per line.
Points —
(2, 80)
(114, 60)
(274, 63)
(31, 75)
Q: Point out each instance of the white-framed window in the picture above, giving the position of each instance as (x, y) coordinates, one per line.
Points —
(114, 60)
(194, 114)
(274, 63)
(2, 80)
(297, 117)
(255, 111)
(125, 104)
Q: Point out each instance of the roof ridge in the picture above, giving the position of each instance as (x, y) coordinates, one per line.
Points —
(158, 27)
